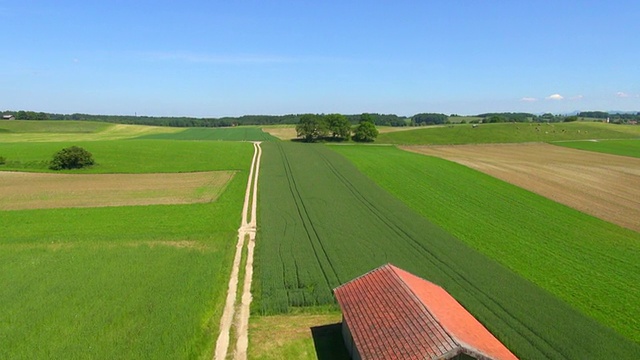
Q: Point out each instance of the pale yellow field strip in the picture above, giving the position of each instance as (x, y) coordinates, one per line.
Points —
(114, 132)
(45, 191)
(282, 133)
(602, 185)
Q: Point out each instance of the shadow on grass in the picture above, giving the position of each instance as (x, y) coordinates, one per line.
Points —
(328, 342)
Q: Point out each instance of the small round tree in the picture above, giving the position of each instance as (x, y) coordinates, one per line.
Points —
(366, 130)
(73, 157)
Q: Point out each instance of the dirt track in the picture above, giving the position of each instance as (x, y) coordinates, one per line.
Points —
(241, 311)
(601, 185)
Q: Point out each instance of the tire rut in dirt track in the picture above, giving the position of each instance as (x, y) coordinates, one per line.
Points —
(457, 277)
(303, 213)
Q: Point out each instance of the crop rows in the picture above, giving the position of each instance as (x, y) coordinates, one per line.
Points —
(323, 223)
(591, 264)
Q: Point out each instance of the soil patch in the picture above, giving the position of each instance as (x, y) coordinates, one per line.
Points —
(45, 190)
(598, 184)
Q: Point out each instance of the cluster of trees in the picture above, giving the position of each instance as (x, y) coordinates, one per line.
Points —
(613, 117)
(336, 127)
(429, 119)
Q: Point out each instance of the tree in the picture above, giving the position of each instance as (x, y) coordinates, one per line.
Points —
(73, 157)
(338, 125)
(311, 127)
(366, 130)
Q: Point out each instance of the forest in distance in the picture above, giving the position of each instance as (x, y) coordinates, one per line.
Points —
(290, 119)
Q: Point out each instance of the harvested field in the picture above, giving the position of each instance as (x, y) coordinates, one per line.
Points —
(20, 190)
(601, 185)
(282, 133)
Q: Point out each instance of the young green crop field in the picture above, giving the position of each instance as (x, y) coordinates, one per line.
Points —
(591, 264)
(615, 147)
(123, 281)
(322, 222)
(509, 132)
(242, 133)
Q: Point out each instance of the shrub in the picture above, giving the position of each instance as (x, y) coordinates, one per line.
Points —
(3, 160)
(73, 157)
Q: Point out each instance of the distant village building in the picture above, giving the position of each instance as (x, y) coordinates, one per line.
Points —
(8, 117)
(389, 313)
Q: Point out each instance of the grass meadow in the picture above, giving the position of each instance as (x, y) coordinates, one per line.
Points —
(508, 133)
(123, 281)
(615, 147)
(308, 246)
(133, 156)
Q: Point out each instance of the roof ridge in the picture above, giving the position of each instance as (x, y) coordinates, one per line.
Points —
(363, 275)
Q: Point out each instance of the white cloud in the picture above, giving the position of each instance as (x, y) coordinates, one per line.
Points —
(528, 99)
(577, 97)
(621, 94)
(555, 97)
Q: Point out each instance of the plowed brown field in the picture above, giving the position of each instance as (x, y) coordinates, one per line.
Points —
(20, 190)
(598, 184)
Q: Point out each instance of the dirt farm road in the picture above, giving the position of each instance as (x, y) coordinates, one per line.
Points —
(241, 311)
(598, 184)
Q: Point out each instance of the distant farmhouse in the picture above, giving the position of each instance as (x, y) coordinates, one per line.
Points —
(389, 313)
(8, 117)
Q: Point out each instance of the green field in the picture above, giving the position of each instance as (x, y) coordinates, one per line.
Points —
(120, 282)
(133, 156)
(319, 244)
(47, 131)
(509, 133)
(591, 264)
(243, 133)
(615, 147)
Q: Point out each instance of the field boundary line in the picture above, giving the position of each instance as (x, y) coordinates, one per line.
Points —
(246, 228)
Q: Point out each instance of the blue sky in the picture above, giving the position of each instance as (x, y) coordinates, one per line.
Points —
(230, 58)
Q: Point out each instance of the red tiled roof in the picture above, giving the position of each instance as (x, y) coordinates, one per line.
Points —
(393, 314)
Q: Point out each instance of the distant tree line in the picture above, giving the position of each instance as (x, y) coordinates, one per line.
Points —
(420, 119)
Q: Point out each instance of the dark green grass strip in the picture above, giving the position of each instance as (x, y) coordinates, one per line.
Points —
(591, 264)
(360, 226)
(240, 133)
(615, 147)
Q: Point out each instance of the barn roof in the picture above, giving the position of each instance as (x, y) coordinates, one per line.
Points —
(393, 314)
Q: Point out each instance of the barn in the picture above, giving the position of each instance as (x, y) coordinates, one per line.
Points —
(389, 313)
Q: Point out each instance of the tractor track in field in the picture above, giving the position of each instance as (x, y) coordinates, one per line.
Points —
(428, 255)
(240, 312)
(303, 213)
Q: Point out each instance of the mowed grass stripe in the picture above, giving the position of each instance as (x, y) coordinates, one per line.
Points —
(361, 227)
(590, 264)
(615, 147)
